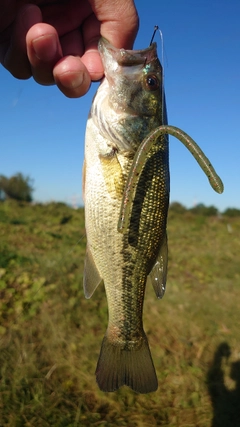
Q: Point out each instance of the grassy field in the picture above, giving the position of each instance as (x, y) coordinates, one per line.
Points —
(50, 335)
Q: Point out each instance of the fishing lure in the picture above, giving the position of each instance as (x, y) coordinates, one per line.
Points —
(140, 160)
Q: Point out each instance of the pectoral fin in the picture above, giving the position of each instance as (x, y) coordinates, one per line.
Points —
(158, 275)
(91, 276)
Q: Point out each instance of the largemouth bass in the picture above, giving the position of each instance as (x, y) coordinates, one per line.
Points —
(126, 176)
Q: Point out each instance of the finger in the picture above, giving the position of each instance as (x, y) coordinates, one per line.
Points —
(15, 58)
(72, 77)
(44, 51)
(7, 15)
(91, 57)
(66, 16)
(92, 61)
(72, 43)
(119, 21)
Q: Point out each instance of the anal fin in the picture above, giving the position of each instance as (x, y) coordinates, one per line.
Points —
(158, 274)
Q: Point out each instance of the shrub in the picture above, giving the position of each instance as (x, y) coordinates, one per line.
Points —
(17, 187)
(177, 207)
(232, 212)
(201, 209)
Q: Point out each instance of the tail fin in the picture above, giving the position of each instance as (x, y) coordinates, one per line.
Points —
(117, 367)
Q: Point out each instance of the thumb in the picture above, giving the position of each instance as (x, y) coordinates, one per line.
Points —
(118, 21)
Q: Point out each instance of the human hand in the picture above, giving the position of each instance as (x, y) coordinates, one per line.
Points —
(55, 41)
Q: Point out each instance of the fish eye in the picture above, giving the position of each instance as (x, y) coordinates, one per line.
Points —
(152, 82)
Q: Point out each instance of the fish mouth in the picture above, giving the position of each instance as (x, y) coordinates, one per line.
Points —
(127, 57)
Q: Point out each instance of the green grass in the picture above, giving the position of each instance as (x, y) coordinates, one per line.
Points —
(50, 335)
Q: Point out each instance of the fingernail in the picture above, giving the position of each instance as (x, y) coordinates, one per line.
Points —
(46, 47)
(74, 80)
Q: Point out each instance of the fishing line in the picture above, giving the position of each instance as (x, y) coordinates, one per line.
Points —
(163, 75)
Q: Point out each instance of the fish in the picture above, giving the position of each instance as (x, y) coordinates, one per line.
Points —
(126, 187)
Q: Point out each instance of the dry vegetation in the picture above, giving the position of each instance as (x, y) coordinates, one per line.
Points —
(50, 335)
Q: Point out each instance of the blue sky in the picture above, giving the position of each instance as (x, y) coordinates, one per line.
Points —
(42, 132)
